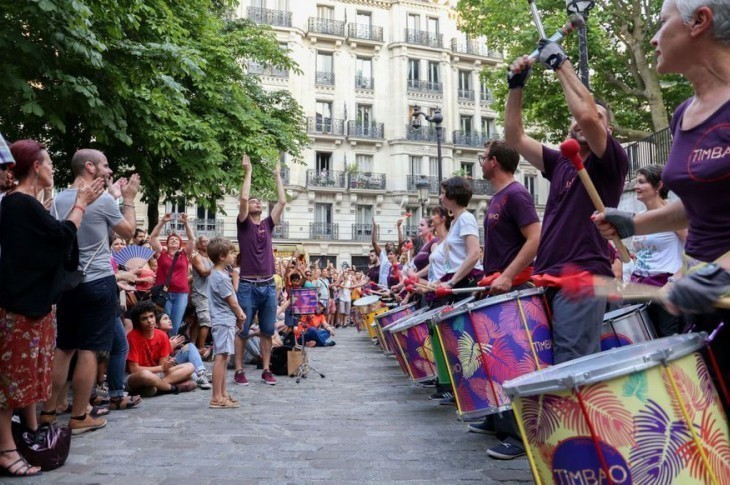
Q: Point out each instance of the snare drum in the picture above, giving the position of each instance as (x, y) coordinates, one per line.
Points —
(646, 413)
(492, 341)
(626, 326)
(304, 301)
(388, 318)
(413, 337)
(367, 304)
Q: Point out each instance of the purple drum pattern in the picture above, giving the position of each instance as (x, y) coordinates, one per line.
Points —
(492, 341)
(415, 343)
(390, 345)
(304, 301)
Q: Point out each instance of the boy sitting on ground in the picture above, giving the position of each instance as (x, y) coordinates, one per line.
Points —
(151, 369)
(317, 333)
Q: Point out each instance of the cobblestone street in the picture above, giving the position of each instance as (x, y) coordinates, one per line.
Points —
(364, 422)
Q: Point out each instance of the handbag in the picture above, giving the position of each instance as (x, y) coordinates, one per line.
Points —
(159, 294)
(47, 447)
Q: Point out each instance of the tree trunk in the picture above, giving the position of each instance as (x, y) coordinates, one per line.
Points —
(153, 212)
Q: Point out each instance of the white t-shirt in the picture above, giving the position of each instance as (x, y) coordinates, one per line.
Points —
(657, 253)
(454, 247)
(436, 263)
(384, 269)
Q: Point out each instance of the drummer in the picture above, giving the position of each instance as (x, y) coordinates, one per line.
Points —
(511, 238)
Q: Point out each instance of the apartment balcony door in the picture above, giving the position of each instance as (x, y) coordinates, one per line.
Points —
(325, 13)
(323, 113)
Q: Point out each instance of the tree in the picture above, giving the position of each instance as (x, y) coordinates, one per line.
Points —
(620, 57)
(159, 85)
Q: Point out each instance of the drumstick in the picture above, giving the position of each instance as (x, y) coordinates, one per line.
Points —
(570, 149)
(443, 291)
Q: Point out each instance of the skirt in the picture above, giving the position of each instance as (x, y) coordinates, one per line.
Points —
(26, 358)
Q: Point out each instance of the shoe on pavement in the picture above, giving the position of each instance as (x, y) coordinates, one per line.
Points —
(438, 396)
(79, 426)
(448, 401)
(485, 427)
(429, 383)
(268, 378)
(187, 386)
(240, 378)
(509, 449)
(203, 382)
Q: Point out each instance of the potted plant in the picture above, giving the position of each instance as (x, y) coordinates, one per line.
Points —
(353, 170)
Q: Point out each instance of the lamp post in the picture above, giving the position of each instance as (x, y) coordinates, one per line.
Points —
(435, 118)
(581, 7)
(423, 186)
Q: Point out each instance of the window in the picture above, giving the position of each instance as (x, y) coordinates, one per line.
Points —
(325, 12)
(364, 18)
(433, 166)
(323, 115)
(464, 80)
(364, 163)
(433, 72)
(486, 93)
(324, 62)
(411, 224)
(176, 207)
(489, 129)
(530, 186)
(323, 213)
(323, 161)
(364, 215)
(258, 3)
(282, 5)
(465, 123)
(414, 22)
(468, 169)
(414, 70)
(415, 165)
(432, 25)
(363, 72)
(205, 221)
(364, 115)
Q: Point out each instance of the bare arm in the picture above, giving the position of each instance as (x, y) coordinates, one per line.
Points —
(233, 303)
(155, 234)
(671, 217)
(190, 243)
(245, 189)
(199, 266)
(399, 226)
(375, 239)
(134, 367)
(127, 227)
(281, 203)
(514, 130)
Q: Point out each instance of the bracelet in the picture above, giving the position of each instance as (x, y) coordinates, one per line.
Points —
(128, 205)
(79, 208)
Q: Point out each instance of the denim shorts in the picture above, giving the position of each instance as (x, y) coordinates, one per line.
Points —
(87, 315)
(258, 301)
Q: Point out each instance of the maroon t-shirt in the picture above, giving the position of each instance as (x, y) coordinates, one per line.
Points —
(568, 234)
(254, 242)
(420, 260)
(511, 209)
(698, 171)
(374, 274)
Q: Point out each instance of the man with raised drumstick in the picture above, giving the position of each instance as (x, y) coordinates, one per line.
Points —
(568, 235)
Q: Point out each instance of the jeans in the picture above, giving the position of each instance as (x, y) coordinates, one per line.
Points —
(189, 353)
(576, 325)
(319, 336)
(175, 309)
(258, 301)
(117, 360)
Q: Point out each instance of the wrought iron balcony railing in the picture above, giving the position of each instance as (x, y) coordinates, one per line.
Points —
(469, 138)
(325, 126)
(410, 230)
(277, 18)
(423, 37)
(325, 78)
(365, 32)
(373, 131)
(412, 180)
(482, 187)
(466, 94)
(486, 96)
(333, 179)
(470, 47)
(416, 85)
(256, 68)
(281, 231)
(367, 181)
(424, 133)
(362, 232)
(324, 230)
(326, 26)
(362, 82)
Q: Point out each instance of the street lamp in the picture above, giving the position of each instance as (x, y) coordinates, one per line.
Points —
(581, 7)
(435, 118)
(423, 186)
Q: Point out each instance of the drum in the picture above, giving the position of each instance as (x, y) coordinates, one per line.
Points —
(369, 322)
(645, 413)
(367, 304)
(626, 326)
(303, 301)
(492, 341)
(388, 318)
(414, 340)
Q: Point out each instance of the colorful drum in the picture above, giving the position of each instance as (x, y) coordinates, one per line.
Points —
(304, 301)
(414, 340)
(388, 318)
(367, 304)
(369, 322)
(626, 326)
(646, 413)
(492, 341)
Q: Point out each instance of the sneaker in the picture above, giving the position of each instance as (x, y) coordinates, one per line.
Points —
(268, 377)
(485, 427)
(431, 383)
(509, 449)
(202, 381)
(448, 401)
(79, 426)
(240, 378)
(439, 396)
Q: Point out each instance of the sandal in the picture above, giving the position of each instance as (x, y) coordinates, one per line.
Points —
(230, 398)
(97, 411)
(63, 410)
(22, 468)
(124, 402)
(99, 401)
(223, 404)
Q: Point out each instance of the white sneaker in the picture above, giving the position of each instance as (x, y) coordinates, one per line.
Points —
(203, 382)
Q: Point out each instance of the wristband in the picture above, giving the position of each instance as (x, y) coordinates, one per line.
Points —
(79, 208)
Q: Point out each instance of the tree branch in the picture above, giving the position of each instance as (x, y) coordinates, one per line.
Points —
(624, 134)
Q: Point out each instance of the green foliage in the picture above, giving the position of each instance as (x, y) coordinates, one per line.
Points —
(158, 85)
(620, 59)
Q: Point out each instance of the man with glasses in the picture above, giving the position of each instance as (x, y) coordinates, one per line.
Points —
(257, 289)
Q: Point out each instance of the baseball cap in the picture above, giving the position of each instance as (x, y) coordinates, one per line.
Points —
(6, 158)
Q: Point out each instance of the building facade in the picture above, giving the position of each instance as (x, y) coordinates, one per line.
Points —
(365, 65)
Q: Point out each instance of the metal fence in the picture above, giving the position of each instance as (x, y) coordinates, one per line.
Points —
(278, 18)
(365, 32)
(324, 230)
(651, 150)
(326, 26)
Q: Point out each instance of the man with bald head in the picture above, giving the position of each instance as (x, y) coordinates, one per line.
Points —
(87, 315)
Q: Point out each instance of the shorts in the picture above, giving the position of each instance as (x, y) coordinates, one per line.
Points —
(200, 303)
(223, 339)
(258, 300)
(87, 315)
(343, 307)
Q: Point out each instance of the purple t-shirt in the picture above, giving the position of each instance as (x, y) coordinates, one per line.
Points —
(698, 171)
(254, 242)
(511, 209)
(568, 234)
(420, 260)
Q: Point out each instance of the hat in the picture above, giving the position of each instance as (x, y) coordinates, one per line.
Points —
(6, 158)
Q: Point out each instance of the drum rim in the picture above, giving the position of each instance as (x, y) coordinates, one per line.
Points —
(400, 322)
(366, 303)
(398, 308)
(411, 319)
(559, 378)
(621, 312)
(492, 300)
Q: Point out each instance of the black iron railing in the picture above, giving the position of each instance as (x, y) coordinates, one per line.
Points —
(412, 180)
(208, 227)
(424, 133)
(324, 230)
(410, 230)
(358, 129)
(362, 232)
(365, 32)
(474, 48)
(362, 82)
(423, 37)
(367, 181)
(466, 94)
(281, 231)
(334, 179)
(326, 26)
(486, 96)
(416, 85)
(651, 150)
(482, 187)
(325, 78)
(325, 126)
(278, 18)
(469, 138)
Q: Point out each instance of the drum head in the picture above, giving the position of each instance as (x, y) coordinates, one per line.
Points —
(415, 319)
(397, 309)
(606, 365)
(366, 300)
(622, 312)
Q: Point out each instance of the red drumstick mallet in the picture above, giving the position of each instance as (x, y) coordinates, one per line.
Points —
(570, 149)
